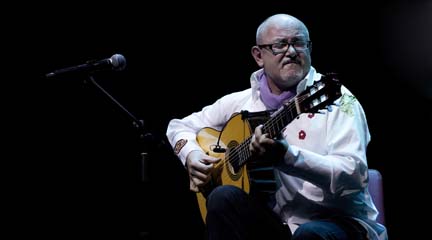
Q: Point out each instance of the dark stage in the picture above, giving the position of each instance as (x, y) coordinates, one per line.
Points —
(79, 165)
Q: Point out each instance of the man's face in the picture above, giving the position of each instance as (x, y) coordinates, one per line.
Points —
(288, 60)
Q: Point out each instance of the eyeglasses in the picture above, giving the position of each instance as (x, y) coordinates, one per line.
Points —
(283, 46)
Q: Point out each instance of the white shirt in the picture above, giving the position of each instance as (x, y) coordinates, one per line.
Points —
(325, 168)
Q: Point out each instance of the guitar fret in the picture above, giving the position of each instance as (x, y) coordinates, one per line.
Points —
(274, 128)
(291, 115)
(279, 121)
(279, 124)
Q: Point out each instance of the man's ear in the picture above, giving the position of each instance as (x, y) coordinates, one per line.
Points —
(256, 53)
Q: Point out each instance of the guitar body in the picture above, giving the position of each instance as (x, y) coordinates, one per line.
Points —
(225, 173)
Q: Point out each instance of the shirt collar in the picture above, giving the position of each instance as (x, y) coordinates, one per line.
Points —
(310, 78)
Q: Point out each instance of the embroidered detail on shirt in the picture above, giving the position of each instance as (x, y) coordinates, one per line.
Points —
(347, 103)
(302, 135)
(179, 145)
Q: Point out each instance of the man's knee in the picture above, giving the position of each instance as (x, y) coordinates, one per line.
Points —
(222, 196)
(311, 230)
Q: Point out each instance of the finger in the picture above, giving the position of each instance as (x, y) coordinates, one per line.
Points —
(258, 130)
(192, 186)
(209, 160)
(255, 145)
(257, 148)
(199, 175)
(198, 182)
(251, 147)
(253, 138)
(265, 140)
(203, 168)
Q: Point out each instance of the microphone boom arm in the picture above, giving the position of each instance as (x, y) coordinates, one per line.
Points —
(138, 124)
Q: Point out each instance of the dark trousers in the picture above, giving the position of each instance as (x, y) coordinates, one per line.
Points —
(233, 214)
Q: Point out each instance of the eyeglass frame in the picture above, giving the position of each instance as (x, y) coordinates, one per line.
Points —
(270, 46)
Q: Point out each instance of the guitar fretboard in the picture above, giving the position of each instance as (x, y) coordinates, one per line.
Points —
(240, 154)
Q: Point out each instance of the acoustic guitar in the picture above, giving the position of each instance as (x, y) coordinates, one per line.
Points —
(231, 144)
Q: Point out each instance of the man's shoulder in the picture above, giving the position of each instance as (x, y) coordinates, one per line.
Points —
(236, 98)
(241, 93)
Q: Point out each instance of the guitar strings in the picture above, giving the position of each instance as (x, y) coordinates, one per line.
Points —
(235, 156)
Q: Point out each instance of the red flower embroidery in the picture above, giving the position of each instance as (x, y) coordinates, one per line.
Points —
(302, 134)
(311, 115)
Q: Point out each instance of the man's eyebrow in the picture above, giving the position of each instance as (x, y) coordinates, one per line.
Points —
(295, 38)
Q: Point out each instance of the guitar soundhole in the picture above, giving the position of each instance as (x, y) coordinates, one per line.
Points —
(233, 167)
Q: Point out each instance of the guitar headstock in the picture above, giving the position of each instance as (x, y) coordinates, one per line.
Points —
(320, 95)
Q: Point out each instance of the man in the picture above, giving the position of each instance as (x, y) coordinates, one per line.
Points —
(319, 160)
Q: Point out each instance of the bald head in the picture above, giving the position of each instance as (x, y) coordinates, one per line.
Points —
(283, 50)
(279, 21)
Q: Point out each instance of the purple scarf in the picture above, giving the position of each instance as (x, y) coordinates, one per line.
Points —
(273, 101)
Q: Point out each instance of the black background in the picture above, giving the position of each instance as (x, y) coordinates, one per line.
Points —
(77, 154)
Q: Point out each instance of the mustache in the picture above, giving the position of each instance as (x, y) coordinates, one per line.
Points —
(288, 61)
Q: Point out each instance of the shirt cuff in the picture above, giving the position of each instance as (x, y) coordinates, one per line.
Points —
(183, 147)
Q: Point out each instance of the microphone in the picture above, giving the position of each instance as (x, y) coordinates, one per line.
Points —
(116, 62)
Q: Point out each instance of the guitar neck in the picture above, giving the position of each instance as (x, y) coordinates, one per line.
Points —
(280, 120)
(277, 122)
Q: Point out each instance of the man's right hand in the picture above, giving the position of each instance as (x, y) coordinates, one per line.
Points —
(199, 166)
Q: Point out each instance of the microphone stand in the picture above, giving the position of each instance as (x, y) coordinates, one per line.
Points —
(149, 142)
(146, 137)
